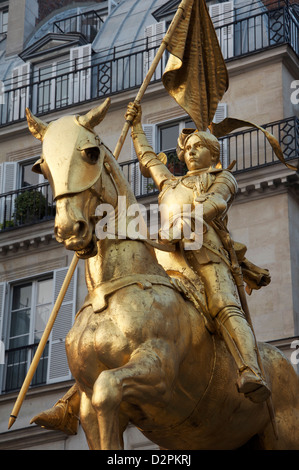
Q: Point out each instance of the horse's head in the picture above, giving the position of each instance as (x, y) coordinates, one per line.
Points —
(72, 161)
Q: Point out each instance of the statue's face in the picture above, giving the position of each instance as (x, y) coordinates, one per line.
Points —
(196, 155)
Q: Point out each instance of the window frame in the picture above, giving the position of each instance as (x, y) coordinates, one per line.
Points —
(29, 347)
(4, 26)
(57, 365)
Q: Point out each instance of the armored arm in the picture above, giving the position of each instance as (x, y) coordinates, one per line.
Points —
(219, 196)
(151, 165)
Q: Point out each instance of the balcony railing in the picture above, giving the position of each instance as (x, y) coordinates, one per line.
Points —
(26, 206)
(255, 32)
(88, 24)
(249, 148)
(17, 362)
(122, 68)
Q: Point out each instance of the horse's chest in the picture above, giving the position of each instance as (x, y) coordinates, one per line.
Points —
(96, 336)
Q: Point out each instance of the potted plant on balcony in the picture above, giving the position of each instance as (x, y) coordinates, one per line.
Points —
(30, 206)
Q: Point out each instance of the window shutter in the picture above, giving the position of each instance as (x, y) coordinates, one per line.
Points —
(9, 183)
(222, 15)
(58, 369)
(139, 183)
(1, 177)
(21, 90)
(80, 80)
(2, 344)
(2, 307)
(154, 34)
(221, 113)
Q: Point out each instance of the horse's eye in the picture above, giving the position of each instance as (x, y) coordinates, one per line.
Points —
(91, 155)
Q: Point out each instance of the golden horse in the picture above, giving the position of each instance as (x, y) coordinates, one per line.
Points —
(139, 351)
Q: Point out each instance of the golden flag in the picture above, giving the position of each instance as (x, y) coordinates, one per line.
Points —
(196, 75)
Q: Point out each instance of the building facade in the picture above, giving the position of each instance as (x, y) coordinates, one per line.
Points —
(66, 57)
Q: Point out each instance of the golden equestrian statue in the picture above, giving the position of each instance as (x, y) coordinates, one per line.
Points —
(140, 350)
(164, 338)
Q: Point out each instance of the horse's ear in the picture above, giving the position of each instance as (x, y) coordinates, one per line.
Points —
(36, 126)
(95, 116)
(36, 167)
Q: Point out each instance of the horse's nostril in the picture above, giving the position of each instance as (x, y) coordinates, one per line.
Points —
(80, 228)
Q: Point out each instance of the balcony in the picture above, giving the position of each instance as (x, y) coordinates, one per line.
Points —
(123, 68)
(253, 33)
(88, 24)
(26, 206)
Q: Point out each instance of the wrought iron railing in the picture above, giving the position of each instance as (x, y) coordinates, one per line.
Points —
(87, 23)
(17, 362)
(254, 32)
(26, 206)
(251, 150)
(122, 68)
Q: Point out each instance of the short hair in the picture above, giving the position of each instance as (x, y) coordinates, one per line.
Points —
(208, 140)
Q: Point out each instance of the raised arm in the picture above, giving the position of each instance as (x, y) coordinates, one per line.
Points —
(150, 164)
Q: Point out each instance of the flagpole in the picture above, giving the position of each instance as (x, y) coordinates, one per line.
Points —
(42, 344)
(175, 21)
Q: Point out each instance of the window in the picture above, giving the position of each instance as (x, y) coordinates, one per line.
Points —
(3, 20)
(167, 138)
(63, 82)
(168, 134)
(27, 177)
(30, 309)
(25, 308)
(50, 89)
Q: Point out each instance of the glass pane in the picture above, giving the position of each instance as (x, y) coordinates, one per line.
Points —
(40, 375)
(42, 315)
(28, 177)
(21, 296)
(16, 369)
(190, 125)
(44, 291)
(45, 72)
(4, 22)
(19, 327)
(168, 137)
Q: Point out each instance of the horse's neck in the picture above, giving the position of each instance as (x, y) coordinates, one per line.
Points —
(117, 258)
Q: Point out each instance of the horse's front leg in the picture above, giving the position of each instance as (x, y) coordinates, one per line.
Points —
(140, 380)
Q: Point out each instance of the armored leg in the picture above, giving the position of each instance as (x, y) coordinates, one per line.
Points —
(63, 415)
(240, 341)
